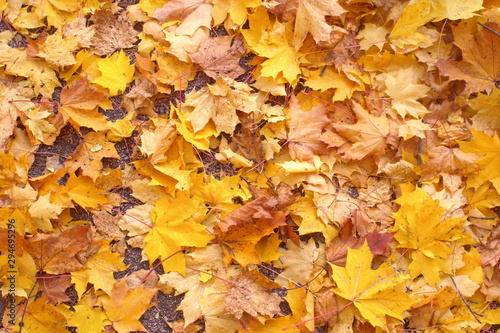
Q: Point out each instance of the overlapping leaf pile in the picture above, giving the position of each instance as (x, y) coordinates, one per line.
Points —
(328, 165)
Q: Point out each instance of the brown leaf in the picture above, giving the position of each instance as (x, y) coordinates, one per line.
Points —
(89, 154)
(336, 252)
(249, 143)
(64, 252)
(107, 224)
(54, 287)
(112, 32)
(481, 55)
(368, 135)
(325, 303)
(240, 231)
(448, 160)
(305, 129)
(220, 56)
(250, 296)
(261, 208)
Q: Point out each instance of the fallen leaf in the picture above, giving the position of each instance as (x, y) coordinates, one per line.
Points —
(63, 252)
(220, 56)
(249, 296)
(305, 129)
(219, 103)
(116, 72)
(78, 104)
(480, 58)
(111, 32)
(124, 307)
(372, 291)
(368, 135)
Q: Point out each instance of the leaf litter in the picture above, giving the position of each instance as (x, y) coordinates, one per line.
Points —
(272, 166)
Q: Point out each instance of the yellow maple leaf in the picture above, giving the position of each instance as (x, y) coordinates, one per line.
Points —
(43, 317)
(374, 292)
(428, 240)
(271, 41)
(486, 105)
(88, 317)
(100, 267)
(124, 307)
(58, 51)
(116, 73)
(176, 224)
(311, 19)
(489, 148)
(454, 10)
(219, 103)
(405, 93)
(83, 192)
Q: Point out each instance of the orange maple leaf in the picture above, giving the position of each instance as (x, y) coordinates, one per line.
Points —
(368, 135)
(78, 104)
(240, 231)
(305, 129)
(481, 55)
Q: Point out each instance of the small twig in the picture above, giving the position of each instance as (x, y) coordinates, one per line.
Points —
(482, 217)
(486, 27)
(474, 313)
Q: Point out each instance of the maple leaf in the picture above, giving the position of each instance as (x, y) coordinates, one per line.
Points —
(486, 106)
(250, 294)
(89, 154)
(220, 56)
(111, 33)
(445, 160)
(64, 252)
(58, 51)
(453, 10)
(116, 72)
(18, 63)
(9, 111)
(124, 307)
(241, 230)
(305, 129)
(299, 262)
(54, 288)
(429, 239)
(100, 267)
(82, 191)
(311, 19)
(267, 40)
(42, 211)
(173, 71)
(175, 225)
(489, 148)
(192, 14)
(88, 317)
(235, 9)
(480, 54)
(43, 318)
(367, 135)
(219, 103)
(78, 104)
(373, 292)
(405, 94)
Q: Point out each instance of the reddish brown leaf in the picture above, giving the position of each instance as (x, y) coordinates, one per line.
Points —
(64, 252)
